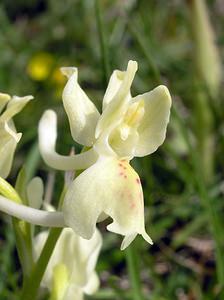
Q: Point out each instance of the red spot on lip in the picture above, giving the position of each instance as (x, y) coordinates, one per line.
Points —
(132, 205)
(122, 166)
(138, 180)
(121, 173)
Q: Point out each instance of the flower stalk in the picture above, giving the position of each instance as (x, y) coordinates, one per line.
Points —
(133, 272)
(32, 283)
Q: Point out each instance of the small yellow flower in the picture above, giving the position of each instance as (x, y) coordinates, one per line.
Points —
(40, 66)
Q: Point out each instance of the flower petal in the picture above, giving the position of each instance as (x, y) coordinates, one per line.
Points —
(84, 253)
(72, 291)
(114, 112)
(4, 98)
(114, 84)
(92, 285)
(152, 129)
(8, 135)
(110, 186)
(15, 105)
(47, 132)
(87, 256)
(116, 108)
(81, 112)
(35, 192)
(8, 142)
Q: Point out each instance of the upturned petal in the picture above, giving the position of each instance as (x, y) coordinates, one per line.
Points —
(110, 186)
(115, 109)
(47, 132)
(152, 128)
(15, 105)
(114, 84)
(118, 105)
(4, 98)
(82, 113)
(8, 135)
(8, 141)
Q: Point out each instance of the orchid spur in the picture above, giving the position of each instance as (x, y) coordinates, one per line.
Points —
(9, 138)
(128, 126)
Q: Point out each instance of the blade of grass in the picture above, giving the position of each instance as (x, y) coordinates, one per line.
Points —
(133, 272)
(210, 210)
(103, 45)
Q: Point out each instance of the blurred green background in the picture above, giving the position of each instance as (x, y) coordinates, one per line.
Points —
(182, 181)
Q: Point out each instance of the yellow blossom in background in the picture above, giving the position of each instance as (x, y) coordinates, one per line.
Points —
(40, 66)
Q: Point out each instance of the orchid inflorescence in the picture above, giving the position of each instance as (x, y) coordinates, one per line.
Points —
(107, 185)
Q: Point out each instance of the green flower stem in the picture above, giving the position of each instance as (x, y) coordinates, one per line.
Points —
(22, 230)
(31, 285)
(133, 271)
(103, 45)
(204, 130)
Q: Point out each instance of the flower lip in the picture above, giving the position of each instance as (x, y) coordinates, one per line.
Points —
(112, 187)
(82, 113)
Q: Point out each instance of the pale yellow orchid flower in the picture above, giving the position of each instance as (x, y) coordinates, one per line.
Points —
(71, 269)
(9, 137)
(128, 126)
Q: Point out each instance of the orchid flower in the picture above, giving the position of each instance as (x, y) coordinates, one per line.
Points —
(9, 138)
(128, 127)
(71, 269)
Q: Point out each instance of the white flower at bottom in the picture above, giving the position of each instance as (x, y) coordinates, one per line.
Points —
(71, 269)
